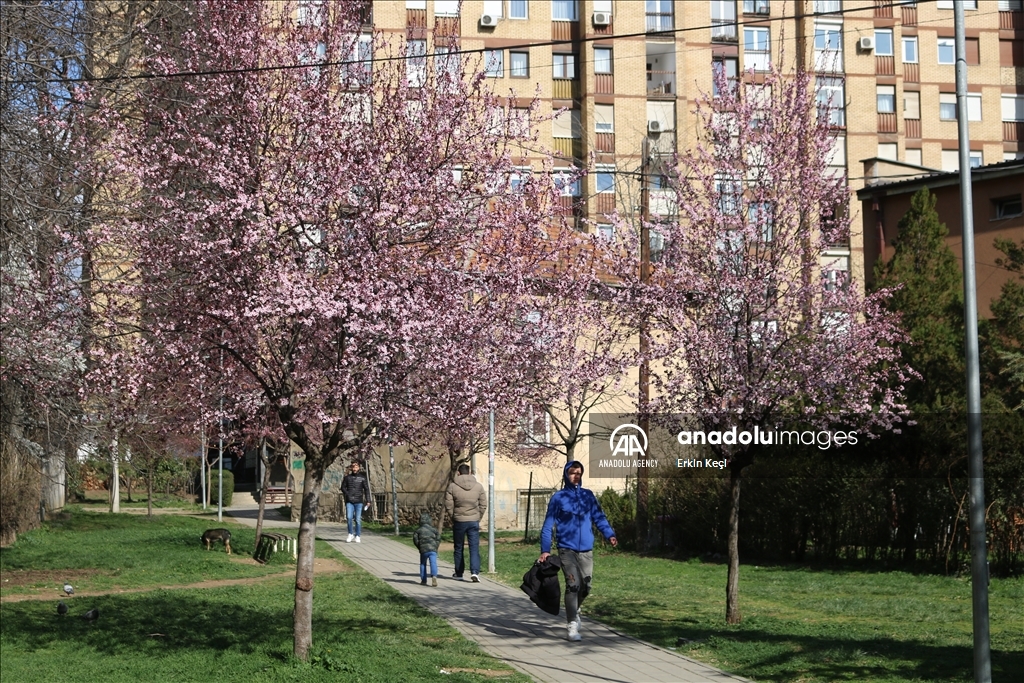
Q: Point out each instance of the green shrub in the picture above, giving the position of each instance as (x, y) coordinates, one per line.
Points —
(620, 509)
(229, 486)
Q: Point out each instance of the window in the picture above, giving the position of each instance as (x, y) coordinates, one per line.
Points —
(723, 20)
(827, 6)
(832, 101)
(310, 12)
(950, 160)
(494, 8)
(606, 232)
(659, 15)
(517, 9)
(887, 150)
(947, 51)
(755, 49)
(1009, 5)
(973, 107)
(602, 60)
(1011, 52)
(446, 7)
(602, 6)
(416, 64)
(726, 68)
(914, 157)
(447, 64)
(533, 427)
(910, 50)
(828, 47)
(567, 181)
(563, 66)
(911, 104)
(948, 4)
(755, 6)
(566, 124)
(883, 42)
(729, 192)
(762, 217)
(519, 64)
(835, 273)
(605, 179)
(563, 10)
(885, 97)
(947, 106)
(415, 4)
(1012, 107)
(494, 63)
(604, 118)
(519, 177)
(976, 159)
(1008, 207)
(359, 70)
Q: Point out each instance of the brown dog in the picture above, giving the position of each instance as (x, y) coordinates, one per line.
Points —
(210, 536)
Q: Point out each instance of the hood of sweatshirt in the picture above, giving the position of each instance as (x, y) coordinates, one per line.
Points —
(565, 473)
(465, 481)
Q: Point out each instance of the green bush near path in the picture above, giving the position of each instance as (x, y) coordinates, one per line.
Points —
(363, 630)
(799, 624)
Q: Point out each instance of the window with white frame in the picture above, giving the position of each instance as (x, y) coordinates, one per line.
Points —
(1007, 207)
(494, 63)
(533, 427)
(976, 158)
(835, 272)
(447, 64)
(730, 191)
(914, 156)
(604, 118)
(885, 98)
(518, 177)
(947, 51)
(831, 98)
(756, 46)
(519, 64)
(606, 232)
(415, 4)
(724, 69)
(1009, 5)
(911, 104)
(762, 219)
(602, 60)
(602, 6)
(567, 182)
(1012, 108)
(416, 63)
(883, 42)
(605, 176)
(828, 46)
(950, 160)
(723, 20)
(909, 49)
(518, 9)
(563, 66)
(827, 6)
(948, 4)
(358, 70)
(947, 106)
(564, 10)
(756, 7)
(495, 8)
(659, 15)
(973, 107)
(519, 123)
(449, 8)
(888, 150)
(310, 12)
(566, 124)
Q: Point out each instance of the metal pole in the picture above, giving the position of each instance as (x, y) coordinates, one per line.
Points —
(202, 465)
(394, 488)
(490, 493)
(220, 449)
(529, 498)
(644, 373)
(979, 551)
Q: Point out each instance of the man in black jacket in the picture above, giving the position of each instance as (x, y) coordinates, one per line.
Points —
(356, 489)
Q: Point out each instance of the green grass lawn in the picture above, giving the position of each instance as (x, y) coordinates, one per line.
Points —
(362, 629)
(799, 624)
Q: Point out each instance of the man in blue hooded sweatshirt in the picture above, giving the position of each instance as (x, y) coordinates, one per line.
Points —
(574, 510)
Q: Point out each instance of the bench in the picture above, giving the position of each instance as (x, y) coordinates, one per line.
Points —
(271, 543)
(278, 495)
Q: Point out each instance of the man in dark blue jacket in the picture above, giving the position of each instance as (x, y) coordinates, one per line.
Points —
(574, 510)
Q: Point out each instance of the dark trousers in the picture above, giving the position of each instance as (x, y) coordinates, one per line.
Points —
(461, 531)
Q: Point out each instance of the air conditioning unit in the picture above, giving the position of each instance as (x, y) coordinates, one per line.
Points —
(602, 18)
(654, 126)
(488, 20)
(867, 43)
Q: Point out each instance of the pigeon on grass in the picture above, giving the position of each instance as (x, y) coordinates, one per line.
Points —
(92, 615)
(62, 609)
(68, 589)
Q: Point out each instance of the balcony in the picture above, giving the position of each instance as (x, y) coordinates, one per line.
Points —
(1013, 131)
(885, 65)
(447, 26)
(604, 84)
(1011, 20)
(604, 203)
(662, 203)
(913, 128)
(886, 122)
(724, 31)
(911, 73)
(568, 148)
(908, 15)
(662, 144)
(659, 21)
(604, 142)
(883, 10)
(565, 89)
(416, 18)
(661, 84)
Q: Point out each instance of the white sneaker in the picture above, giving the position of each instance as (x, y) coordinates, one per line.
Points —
(474, 578)
(357, 540)
(574, 631)
(349, 539)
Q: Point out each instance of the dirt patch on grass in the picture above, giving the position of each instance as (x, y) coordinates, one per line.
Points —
(489, 673)
(321, 566)
(54, 577)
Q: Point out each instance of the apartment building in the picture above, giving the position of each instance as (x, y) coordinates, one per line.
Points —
(629, 71)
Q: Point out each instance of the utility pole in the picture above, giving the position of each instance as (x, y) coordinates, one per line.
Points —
(394, 487)
(643, 406)
(975, 467)
(490, 493)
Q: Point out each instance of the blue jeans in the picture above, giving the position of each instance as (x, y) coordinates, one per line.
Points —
(354, 511)
(460, 530)
(424, 557)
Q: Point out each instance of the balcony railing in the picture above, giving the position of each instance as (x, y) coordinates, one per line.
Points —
(911, 73)
(416, 18)
(724, 31)
(908, 15)
(913, 128)
(1013, 131)
(883, 10)
(1011, 20)
(604, 203)
(886, 122)
(564, 89)
(604, 84)
(568, 148)
(659, 21)
(661, 83)
(885, 65)
(604, 142)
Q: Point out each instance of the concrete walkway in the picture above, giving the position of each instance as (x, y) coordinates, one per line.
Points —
(507, 625)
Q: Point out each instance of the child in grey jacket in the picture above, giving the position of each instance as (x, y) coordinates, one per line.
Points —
(427, 539)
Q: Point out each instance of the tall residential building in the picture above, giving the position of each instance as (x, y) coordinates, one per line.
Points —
(628, 72)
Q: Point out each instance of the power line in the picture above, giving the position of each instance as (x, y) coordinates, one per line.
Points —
(760, 21)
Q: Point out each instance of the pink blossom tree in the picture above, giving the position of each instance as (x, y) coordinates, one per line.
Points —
(304, 228)
(756, 324)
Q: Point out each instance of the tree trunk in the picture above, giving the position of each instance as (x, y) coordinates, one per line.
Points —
(732, 586)
(54, 481)
(149, 491)
(303, 626)
(263, 495)
(115, 478)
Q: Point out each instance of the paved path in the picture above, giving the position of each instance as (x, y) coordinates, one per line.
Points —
(507, 625)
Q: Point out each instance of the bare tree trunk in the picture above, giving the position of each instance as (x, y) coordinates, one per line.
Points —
(303, 625)
(263, 494)
(54, 480)
(732, 586)
(149, 491)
